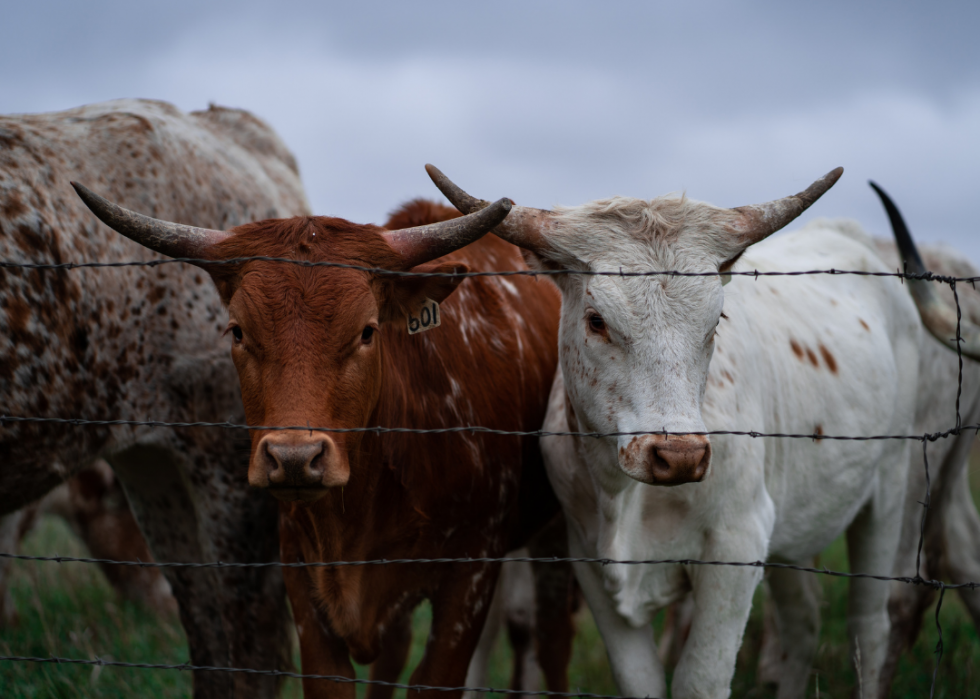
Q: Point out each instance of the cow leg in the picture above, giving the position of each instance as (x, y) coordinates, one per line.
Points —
(632, 651)
(395, 645)
(722, 601)
(555, 594)
(459, 610)
(321, 651)
(796, 596)
(194, 510)
(768, 669)
(478, 674)
(961, 529)
(13, 526)
(871, 543)
(520, 613)
(677, 627)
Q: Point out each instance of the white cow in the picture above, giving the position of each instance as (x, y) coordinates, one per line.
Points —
(821, 355)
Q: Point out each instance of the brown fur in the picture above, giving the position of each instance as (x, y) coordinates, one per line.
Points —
(301, 361)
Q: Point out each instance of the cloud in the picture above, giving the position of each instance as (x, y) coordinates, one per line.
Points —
(560, 104)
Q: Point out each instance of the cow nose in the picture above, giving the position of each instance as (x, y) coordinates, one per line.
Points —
(291, 463)
(677, 459)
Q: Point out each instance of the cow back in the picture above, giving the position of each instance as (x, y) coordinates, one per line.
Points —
(131, 342)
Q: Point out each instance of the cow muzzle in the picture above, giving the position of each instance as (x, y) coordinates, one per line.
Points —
(298, 467)
(667, 459)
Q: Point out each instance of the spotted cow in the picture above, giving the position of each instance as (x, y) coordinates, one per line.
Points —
(335, 350)
(681, 355)
(951, 548)
(143, 343)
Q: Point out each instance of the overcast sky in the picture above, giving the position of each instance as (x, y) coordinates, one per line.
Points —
(553, 102)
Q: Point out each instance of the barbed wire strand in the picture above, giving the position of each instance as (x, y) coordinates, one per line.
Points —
(912, 580)
(41, 266)
(479, 429)
(300, 676)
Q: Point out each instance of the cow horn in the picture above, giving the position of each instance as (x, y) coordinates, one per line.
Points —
(523, 226)
(762, 220)
(937, 315)
(420, 244)
(170, 239)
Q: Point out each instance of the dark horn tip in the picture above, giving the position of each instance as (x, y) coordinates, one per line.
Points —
(82, 191)
(92, 200)
(499, 210)
(820, 187)
(831, 177)
(466, 203)
(903, 238)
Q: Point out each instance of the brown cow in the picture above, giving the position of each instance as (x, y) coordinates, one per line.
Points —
(331, 347)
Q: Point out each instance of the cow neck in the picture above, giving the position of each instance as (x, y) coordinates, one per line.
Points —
(359, 520)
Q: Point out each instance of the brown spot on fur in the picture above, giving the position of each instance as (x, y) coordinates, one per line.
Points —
(812, 357)
(818, 430)
(797, 350)
(28, 240)
(828, 359)
(833, 302)
(17, 314)
(156, 294)
(12, 207)
(864, 325)
(728, 376)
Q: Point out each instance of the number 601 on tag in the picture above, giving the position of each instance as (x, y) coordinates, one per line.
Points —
(425, 318)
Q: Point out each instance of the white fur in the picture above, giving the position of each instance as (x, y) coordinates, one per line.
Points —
(664, 368)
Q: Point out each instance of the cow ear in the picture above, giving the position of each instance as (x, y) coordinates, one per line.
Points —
(726, 267)
(410, 293)
(226, 279)
(538, 262)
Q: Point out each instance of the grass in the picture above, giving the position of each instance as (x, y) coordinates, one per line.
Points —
(69, 610)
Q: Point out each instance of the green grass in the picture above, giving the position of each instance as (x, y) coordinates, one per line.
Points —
(69, 610)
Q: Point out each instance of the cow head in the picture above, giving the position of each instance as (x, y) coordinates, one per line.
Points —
(308, 342)
(635, 350)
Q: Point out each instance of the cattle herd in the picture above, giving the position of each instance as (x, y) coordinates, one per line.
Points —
(618, 412)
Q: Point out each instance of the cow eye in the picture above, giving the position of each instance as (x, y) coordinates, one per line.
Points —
(236, 332)
(597, 324)
(367, 335)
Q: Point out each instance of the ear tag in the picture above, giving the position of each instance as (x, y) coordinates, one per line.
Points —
(425, 318)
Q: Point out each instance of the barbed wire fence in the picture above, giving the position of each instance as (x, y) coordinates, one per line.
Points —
(925, 439)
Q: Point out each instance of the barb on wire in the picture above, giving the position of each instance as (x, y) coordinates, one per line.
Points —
(924, 276)
(917, 580)
(479, 429)
(296, 675)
